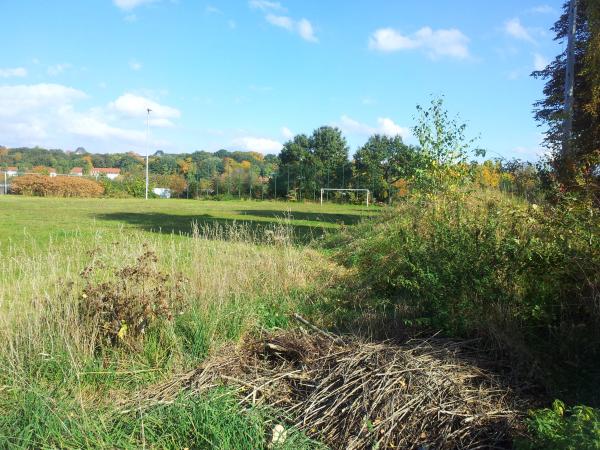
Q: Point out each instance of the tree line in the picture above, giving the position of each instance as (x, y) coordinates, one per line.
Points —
(384, 165)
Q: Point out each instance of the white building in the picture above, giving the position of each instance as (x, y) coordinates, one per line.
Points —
(162, 192)
(110, 172)
(11, 171)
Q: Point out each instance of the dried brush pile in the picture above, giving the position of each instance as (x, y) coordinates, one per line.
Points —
(354, 395)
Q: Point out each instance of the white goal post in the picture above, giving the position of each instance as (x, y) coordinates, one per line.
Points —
(353, 190)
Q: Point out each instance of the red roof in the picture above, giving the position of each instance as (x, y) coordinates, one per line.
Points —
(105, 170)
(11, 168)
(77, 170)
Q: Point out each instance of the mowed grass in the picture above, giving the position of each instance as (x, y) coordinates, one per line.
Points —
(245, 269)
(53, 219)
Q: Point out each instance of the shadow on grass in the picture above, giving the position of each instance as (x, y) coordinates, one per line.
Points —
(183, 224)
(345, 219)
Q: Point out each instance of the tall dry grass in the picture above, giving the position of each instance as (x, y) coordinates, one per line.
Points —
(238, 278)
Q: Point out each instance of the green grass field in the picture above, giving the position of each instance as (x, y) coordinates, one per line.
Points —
(42, 219)
(246, 267)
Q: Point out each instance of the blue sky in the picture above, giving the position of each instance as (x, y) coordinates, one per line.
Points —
(247, 75)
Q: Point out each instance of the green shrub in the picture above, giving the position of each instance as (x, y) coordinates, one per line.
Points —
(114, 188)
(560, 428)
(483, 263)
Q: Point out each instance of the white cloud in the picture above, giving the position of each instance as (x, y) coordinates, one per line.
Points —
(513, 74)
(351, 126)
(265, 5)
(13, 72)
(89, 126)
(436, 43)
(57, 69)
(47, 114)
(303, 27)
(368, 101)
(256, 88)
(388, 127)
(21, 99)
(210, 9)
(257, 144)
(515, 29)
(280, 21)
(287, 133)
(385, 126)
(306, 31)
(131, 105)
(542, 9)
(530, 153)
(135, 65)
(128, 5)
(539, 62)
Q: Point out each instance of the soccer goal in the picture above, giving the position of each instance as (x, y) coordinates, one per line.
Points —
(323, 190)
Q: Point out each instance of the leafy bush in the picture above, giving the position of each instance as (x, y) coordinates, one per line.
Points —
(114, 188)
(480, 262)
(135, 185)
(45, 186)
(560, 428)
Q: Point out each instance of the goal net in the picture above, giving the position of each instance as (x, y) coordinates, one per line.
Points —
(324, 191)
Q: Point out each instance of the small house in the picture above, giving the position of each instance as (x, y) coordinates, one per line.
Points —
(110, 172)
(11, 171)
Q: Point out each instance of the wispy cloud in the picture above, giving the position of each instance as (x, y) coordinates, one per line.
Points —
(265, 5)
(516, 30)
(287, 133)
(280, 21)
(57, 69)
(210, 9)
(135, 65)
(257, 88)
(128, 5)
(306, 31)
(132, 106)
(542, 9)
(13, 72)
(435, 43)
(539, 61)
(368, 100)
(302, 27)
(385, 126)
(273, 14)
(257, 144)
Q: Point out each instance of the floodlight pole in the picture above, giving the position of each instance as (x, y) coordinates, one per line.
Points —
(569, 78)
(147, 146)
